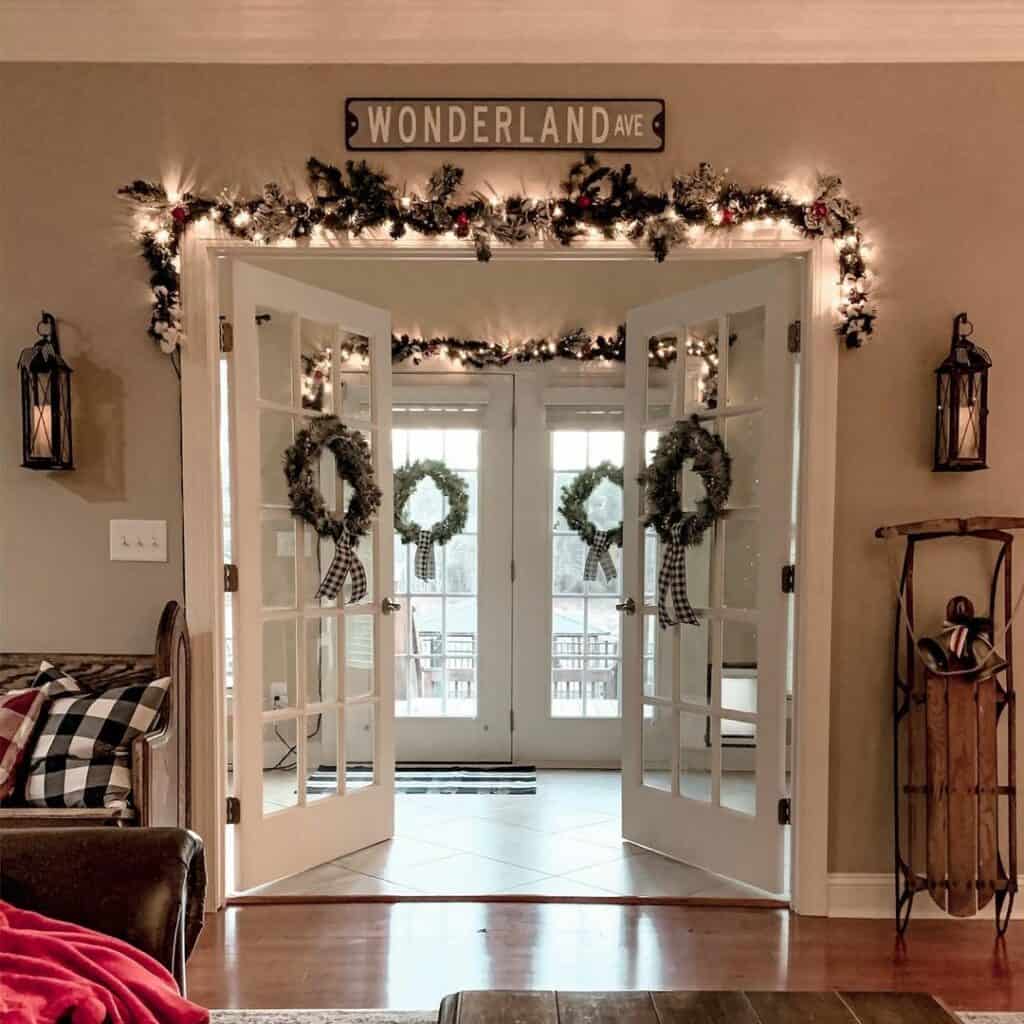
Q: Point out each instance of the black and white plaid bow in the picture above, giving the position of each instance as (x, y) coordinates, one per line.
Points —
(345, 561)
(599, 555)
(425, 566)
(673, 604)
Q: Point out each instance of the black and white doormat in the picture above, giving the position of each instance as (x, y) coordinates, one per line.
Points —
(418, 778)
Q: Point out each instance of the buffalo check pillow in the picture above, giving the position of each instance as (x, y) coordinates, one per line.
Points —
(82, 756)
(20, 710)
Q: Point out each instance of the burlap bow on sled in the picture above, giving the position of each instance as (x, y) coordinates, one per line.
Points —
(345, 561)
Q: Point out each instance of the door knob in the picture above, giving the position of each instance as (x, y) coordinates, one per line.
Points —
(628, 606)
(387, 606)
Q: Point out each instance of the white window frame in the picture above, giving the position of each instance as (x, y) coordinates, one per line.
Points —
(203, 518)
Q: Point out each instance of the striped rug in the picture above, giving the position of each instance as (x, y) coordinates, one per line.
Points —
(420, 778)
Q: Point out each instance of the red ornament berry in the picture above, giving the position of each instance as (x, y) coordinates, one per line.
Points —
(820, 210)
(584, 201)
(728, 217)
(462, 224)
(179, 213)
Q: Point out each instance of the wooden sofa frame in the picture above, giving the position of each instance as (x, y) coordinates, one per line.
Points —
(159, 760)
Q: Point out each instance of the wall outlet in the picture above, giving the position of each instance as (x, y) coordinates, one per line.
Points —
(278, 695)
(138, 540)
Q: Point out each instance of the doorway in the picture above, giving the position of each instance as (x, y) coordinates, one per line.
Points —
(584, 680)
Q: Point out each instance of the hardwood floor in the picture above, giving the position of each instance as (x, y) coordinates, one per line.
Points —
(407, 956)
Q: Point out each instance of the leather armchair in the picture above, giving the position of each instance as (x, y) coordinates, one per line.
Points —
(146, 886)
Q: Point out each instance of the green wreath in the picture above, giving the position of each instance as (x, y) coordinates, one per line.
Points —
(686, 441)
(352, 458)
(450, 484)
(577, 492)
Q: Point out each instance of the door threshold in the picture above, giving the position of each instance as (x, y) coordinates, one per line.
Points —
(731, 902)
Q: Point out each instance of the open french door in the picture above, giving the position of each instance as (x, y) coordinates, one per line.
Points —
(313, 748)
(704, 716)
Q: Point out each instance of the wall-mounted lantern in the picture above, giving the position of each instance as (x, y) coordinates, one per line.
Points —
(961, 428)
(45, 402)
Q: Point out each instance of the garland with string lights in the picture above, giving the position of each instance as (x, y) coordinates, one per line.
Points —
(595, 200)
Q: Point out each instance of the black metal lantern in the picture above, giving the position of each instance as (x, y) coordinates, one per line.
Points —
(45, 402)
(961, 427)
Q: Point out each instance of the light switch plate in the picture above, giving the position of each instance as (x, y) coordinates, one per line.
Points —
(138, 540)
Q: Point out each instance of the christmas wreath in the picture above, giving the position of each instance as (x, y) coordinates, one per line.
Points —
(453, 489)
(352, 459)
(686, 441)
(573, 509)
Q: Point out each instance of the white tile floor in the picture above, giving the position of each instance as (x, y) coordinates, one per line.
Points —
(564, 841)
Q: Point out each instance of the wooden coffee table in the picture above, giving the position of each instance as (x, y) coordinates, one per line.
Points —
(693, 1008)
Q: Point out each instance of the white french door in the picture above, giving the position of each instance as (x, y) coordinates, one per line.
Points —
(313, 744)
(453, 634)
(704, 710)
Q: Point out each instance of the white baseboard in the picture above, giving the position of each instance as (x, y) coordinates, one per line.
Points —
(868, 895)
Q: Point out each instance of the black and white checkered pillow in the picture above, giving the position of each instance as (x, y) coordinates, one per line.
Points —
(81, 756)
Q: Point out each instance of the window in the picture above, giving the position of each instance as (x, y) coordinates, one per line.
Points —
(586, 649)
(436, 641)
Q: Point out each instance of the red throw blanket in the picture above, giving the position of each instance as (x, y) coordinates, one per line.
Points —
(52, 971)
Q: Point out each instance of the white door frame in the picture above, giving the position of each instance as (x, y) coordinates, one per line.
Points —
(201, 490)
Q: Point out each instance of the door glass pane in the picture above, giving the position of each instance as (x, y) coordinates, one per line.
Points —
(654, 674)
(358, 745)
(694, 757)
(316, 341)
(351, 383)
(321, 660)
(275, 438)
(739, 666)
(695, 658)
(741, 559)
(699, 562)
(274, 337)
(278, 556)
(280, 771)
(585, 641)
(746, 357)
(279, 664)
(743, 443)
(738, 789)
(359, 680)
(437, 643)
(656, 747)
(322, 755)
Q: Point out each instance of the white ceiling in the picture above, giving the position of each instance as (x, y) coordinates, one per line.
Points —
(512, 31)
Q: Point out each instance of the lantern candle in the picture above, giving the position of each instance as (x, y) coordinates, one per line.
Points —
(42, 431)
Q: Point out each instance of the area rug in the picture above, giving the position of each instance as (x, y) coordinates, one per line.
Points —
(323, 1017)
(438, 779)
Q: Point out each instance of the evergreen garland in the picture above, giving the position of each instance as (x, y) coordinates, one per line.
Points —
(576, 493)
(352, 458)
(595, 199)
(451, 486)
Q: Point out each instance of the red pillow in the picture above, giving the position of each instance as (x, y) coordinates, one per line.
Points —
(19, 713)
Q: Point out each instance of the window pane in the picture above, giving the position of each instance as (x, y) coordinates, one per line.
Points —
(656, 747)
(322, 755)
(462, 449)
(606, 446)
(280, 773)
(460, 565)
(358, 741)
(321, 660)
(569, 449)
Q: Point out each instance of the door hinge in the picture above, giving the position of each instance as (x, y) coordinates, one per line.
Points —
(785, 811)
(511, 720)
(230, 578)
(789, 579)
(227, 336)
(793, 343)
(234, 810)
(512, 570)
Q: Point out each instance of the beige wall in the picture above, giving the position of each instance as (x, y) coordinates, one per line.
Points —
(933, 153)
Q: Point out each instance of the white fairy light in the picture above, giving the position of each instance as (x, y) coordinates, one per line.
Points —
(162, 237)
(241, 218)
(406, 202)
